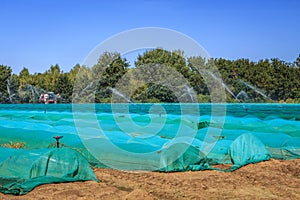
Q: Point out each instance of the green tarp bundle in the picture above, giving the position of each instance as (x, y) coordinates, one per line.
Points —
(172, 159)
(247, 149)
(22, 170)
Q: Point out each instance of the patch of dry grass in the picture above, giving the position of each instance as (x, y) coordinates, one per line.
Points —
(15, 145)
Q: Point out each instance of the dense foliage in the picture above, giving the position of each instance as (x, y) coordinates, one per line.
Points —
(157, 76)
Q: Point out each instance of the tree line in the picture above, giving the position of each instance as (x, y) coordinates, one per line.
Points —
(158, 75)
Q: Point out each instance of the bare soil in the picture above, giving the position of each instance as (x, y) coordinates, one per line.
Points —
(274, 179)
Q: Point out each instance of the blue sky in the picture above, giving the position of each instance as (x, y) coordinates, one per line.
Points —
(39, 33)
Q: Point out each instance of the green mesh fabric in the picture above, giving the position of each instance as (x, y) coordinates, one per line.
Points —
(25, 169)
(140, 137)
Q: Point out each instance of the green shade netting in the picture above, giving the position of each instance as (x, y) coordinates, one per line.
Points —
(22, 170)
(173, 160)
(139, 138)
(247, 149)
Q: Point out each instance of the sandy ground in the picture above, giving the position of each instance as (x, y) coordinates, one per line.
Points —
(266, 180)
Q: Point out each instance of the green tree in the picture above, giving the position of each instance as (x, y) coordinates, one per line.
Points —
(5, 74)
(195, 78)
(84, 85)
(30, 86)
(297, 61)
(109, 69)
(12, 88)
(161, 69)
(159, 76)
(64, 88)
(24, 78)
(51, 78)
(73, 73)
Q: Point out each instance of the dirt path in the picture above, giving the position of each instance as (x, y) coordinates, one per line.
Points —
(267, 180)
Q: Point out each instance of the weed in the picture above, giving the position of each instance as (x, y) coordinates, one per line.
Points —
(15, 145)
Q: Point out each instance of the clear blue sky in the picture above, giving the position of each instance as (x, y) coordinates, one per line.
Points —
(39, 33)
